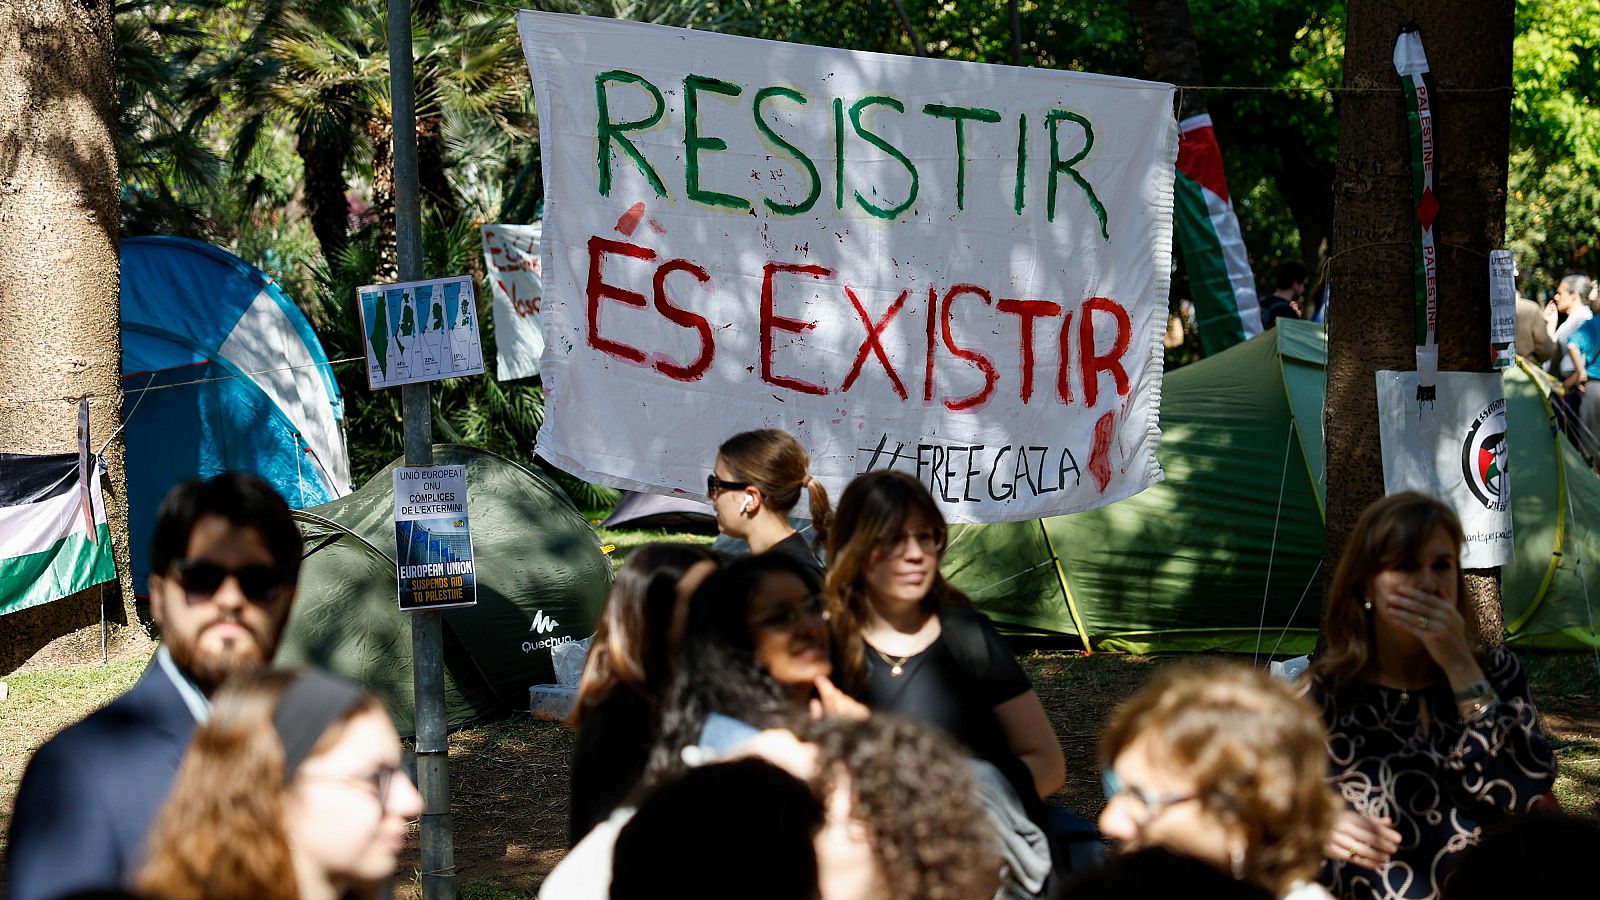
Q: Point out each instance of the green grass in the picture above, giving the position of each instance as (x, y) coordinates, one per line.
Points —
(494, 892)
(627, 541)
(40, 704)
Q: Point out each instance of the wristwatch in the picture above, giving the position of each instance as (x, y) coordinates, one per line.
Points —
(1474, 700)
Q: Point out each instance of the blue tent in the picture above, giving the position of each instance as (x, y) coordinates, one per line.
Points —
(221, 372)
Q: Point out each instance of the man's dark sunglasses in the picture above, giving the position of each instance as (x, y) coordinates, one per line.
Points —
(260, 585)
(715, 486)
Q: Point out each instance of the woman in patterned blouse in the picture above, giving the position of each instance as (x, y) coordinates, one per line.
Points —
(1430, 737)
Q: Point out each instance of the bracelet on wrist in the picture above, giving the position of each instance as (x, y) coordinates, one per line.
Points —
(1474, 708)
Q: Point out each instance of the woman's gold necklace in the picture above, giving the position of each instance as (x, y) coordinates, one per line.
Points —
(896, 666)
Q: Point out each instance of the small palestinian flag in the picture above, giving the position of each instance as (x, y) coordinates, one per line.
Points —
(1220, 281)
(47, 548)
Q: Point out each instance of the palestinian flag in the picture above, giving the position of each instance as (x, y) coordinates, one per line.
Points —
(1220, 282)
(54, 541)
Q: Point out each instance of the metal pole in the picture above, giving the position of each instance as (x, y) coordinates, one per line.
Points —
(427, 642)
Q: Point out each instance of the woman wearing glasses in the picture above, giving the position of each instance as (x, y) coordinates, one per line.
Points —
(1222, 764)
(291, 790)
(1430, 737)
(908, 643)
(756, 484)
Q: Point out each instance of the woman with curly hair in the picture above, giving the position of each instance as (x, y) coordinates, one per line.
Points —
(291, 790)
(626, 673)
(1224, 764)
(754, 486)
(1431, 738)
(902, 819)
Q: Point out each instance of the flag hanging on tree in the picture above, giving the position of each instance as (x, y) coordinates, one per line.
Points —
(48, 547)
(1220, 283)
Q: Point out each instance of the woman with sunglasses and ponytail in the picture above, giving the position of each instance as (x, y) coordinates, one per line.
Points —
(756, 484)
(291, 790)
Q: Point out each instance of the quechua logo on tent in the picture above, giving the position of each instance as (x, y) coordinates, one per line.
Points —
(542, 623)
(1483, 457)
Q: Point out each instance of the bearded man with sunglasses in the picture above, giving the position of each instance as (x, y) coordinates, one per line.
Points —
(224, 559)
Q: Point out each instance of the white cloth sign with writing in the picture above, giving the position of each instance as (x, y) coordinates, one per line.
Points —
(511, 262)
(1454, 449)
(953, 269)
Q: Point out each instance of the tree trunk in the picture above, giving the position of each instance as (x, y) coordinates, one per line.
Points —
(380, 131)
(434, 185)
(1371, 323)
(1014, 17)
(1171, 53)
(59, 284)
(323, 152)
(1306, 184)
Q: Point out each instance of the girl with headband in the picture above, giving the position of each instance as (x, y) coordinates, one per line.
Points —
(291, 790)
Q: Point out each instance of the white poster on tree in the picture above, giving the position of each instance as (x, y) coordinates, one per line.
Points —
(951, 269)
(1452, 448)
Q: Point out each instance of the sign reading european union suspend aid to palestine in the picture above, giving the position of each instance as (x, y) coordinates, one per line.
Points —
(420, 331)
(433, 542)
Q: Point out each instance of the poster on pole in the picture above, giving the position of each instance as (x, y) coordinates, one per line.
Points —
(433, 538)
(420, 331)
(511, 262)
(1453, 449)
(950, 269)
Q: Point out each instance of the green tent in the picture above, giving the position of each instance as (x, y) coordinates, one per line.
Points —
(1226, 553)
(541, 581)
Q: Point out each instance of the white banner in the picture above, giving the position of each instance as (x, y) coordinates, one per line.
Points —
(1453, 448)
(511, 262)
(952, 269)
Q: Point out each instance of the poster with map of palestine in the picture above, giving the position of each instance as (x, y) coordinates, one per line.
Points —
(420, 331)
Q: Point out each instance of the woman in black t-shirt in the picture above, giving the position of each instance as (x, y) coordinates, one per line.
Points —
(907, 643)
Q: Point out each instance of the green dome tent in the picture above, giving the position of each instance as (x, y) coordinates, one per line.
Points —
(1226, 553)
(541, 581)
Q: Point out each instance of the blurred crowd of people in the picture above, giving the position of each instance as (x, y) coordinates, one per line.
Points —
(829, 721)
(1568, 346)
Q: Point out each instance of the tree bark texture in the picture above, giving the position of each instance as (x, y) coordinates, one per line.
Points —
(1171, 53)
(323, 150)
(59, 212)
(1371, 322)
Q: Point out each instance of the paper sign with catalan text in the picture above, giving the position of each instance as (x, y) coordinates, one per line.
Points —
(952, 269)
(433, 538)
(511, 264)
